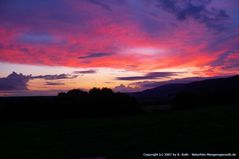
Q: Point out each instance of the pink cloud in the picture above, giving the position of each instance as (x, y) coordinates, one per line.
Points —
(59, 36)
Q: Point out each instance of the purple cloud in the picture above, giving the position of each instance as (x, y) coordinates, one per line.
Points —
(36, 38)
(56, 77)
(54, 83)
(19, 81)
(14, 81)
(100, 3)
(85, 72)
(213, 18)
(150, 75)
(95, 55)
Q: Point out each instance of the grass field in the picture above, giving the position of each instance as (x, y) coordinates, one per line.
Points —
(213, 129)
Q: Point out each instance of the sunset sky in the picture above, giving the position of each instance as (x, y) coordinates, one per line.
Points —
(48, 46)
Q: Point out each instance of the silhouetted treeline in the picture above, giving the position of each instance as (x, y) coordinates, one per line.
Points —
(73, 104)
(103, 101)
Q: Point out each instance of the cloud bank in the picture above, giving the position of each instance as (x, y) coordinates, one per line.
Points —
(93, 33)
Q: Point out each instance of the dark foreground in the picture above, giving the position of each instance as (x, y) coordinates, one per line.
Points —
(213, 129)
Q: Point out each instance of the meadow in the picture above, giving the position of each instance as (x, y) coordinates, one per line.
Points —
(207, 129)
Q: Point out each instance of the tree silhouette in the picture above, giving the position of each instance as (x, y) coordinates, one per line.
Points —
(77, 93)
(107, 91)
(62, 94)
(95, 92)
(100, 101)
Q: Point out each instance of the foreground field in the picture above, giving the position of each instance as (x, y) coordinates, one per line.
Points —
(213, 129)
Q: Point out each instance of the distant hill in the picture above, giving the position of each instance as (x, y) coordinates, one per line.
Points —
(205, 91)
(161, 94)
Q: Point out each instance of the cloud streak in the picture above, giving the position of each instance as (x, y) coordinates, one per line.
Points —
(95, 55)
(55, 77)
(150, 75)
(85, 72)
(54, 83)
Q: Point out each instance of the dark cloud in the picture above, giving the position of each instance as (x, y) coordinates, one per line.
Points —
(150, 75)
(56, 77)
(14, 82)
(85, 72)
(34, 38)
(228, 60)
(100, 3)
(54, 83)
(95, 55)
(198, 10)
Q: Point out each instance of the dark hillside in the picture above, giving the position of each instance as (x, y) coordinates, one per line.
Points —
(219, 90)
